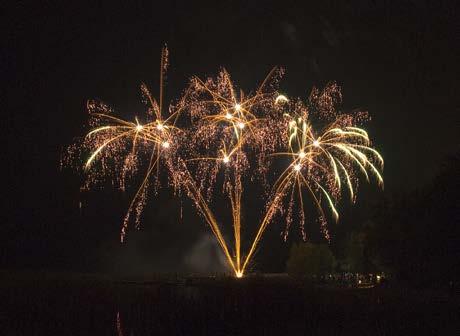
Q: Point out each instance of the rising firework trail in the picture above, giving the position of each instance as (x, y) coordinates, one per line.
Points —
(225, 137)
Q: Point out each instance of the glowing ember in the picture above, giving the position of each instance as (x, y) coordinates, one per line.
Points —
(281, 99)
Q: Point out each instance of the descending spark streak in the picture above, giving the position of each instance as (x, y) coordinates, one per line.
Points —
(101, 147)
(226, 130)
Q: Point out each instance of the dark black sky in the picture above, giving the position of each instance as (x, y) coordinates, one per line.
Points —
(396, 59)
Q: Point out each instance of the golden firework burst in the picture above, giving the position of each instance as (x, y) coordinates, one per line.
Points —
(227, 136)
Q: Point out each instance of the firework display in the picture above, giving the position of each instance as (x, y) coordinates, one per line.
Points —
(216, 138)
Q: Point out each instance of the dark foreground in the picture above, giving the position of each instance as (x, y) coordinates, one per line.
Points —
(63, 304)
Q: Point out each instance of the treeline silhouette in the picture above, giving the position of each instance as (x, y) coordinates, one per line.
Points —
(414, 237)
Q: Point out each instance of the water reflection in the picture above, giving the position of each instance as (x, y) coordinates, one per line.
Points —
(213, 306)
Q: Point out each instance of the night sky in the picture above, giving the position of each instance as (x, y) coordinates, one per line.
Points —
(398, 60)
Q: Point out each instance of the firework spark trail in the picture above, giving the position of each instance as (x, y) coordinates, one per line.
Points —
(225, 130)
(118, 325)
(220, 114)
(315, 153)
(184, 178)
